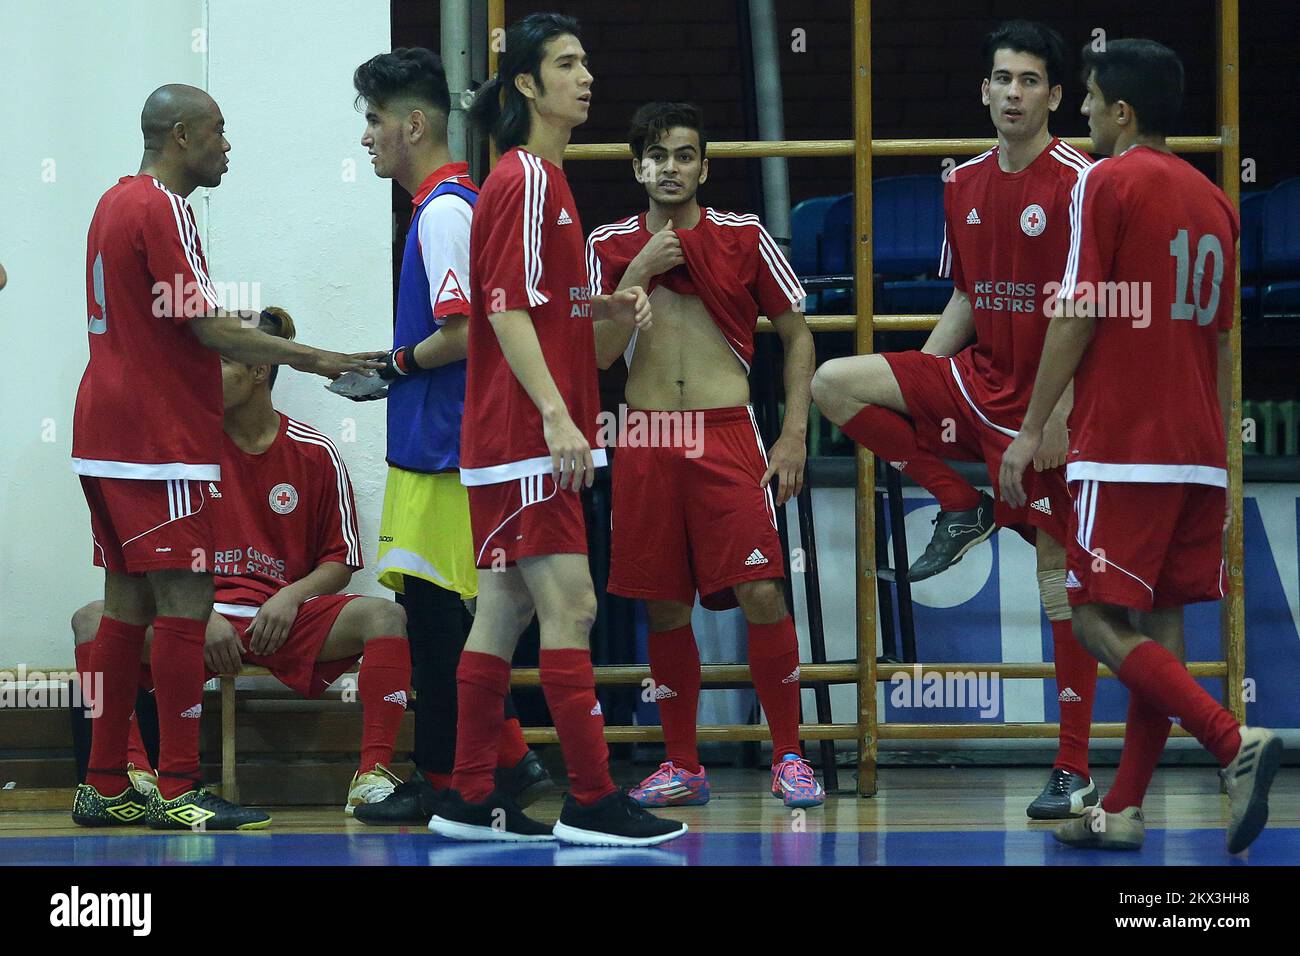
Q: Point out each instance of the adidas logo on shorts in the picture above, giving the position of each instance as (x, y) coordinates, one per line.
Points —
(1068, 696)
(755, 558)
(596, 711)
(793, 677)
(1071, 581)
(972, 217)
(664, 692)
(194, 712)
(564, 219)
(397, 697)
(1043, 505)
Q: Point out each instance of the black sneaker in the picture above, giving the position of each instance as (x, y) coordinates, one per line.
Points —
(616, 820)
(90, 808)
(410, 802)
(202, 810)
(526, 782)
(1066, 795)
(955, 533)
(497, 818)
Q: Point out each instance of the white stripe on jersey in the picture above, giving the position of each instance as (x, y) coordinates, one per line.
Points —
(531, 491)
(599, 234)
(351, 536)
(1066, 159)
(171, 500)
(970, 162)
(534, 204)
(758, 437)
(768, 249)
(189, 243)
(1079, 154)
(945, 254)
(1076, 233)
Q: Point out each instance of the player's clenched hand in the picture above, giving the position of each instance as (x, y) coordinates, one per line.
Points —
(270, 629)
(1014, 462)
(221, 651)
(627, 307)
(571, 464)
(334, 364)
(662, 253)
(1055, 445)
(786, 461)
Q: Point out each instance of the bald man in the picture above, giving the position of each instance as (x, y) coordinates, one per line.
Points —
(148, 456)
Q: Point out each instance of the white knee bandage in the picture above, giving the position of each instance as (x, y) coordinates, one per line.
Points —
(1051, 591)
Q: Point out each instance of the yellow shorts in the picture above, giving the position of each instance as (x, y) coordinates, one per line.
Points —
(425, 532)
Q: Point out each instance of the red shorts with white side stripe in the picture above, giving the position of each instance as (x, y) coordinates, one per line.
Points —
(949, 422)
(141, 525)
(1145, 545)
(692, 517)
(524, 518)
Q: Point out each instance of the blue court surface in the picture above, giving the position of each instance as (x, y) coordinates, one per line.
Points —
(1195, 847)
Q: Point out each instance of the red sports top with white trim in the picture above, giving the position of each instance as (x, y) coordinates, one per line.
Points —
(525, 253)
(279, 515)
(1005, 238)
(149, 405)
(1146, 402)
(733, 265)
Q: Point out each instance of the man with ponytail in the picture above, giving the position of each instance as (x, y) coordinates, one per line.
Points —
(526, 449)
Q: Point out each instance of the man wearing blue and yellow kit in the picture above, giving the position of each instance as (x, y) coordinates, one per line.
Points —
(426, 553)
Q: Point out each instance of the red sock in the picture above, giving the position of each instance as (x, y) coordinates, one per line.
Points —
(893, 438)
(570, 690)
(177, 661)
(440, 781)
(511, 747)
(383, 684)
(135, 752)
(774, 667)
(114, 658)
(1163, 683)
(675, 667)
(1145, 734)
(482, 682)
(1076, 683)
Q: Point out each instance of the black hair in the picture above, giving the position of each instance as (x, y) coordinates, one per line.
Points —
(1143, 73)
(499, 109)
(652, 120)
(407, 72)
(276, 321)
(1027, 36)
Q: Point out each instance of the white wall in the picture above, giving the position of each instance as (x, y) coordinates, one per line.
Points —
(284, 217)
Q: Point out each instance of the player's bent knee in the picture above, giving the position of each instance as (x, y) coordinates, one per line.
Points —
(762, 602)
(667, 615)
(830, 392)
(85, 622)
(382, 618)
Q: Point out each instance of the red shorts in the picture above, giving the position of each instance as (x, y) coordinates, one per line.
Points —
(525, 518)
(294, 664)
(1145, 546)
(688, 519)
(140, 525)
(949, 424)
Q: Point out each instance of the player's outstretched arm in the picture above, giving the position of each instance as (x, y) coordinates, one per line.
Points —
(789, 453)
(571, 462)
(955, 328)
(230, 334)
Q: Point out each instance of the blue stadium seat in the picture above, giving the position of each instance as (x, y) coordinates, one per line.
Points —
(1252, 234)
(907, 224)
(1280, 250)
(806, 222)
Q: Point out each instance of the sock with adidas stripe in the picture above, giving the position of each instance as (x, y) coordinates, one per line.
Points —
(1076, 682)
(774, 667)
(176, 659)
(570, 689)
(384, 687)
(675, 667)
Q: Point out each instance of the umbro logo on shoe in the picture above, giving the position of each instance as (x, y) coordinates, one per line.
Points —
(755, 558)
(664, 692)
(1068, 696)
(1043, 505)
(564, 219)
(972, 217)
(194, 712)
(596, 711)
(793, 677)
(397, 697)
(1071, 581)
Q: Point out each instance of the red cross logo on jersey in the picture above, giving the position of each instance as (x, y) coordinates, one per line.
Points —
(1033, 220)
(283, 498)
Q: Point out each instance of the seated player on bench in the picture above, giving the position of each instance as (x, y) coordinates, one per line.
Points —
(287, 542)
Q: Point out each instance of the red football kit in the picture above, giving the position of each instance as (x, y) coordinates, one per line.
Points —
(1154, 244)
(690, 516)
(1005, 239)
(276, 517)
(525, 253)
(149, 405)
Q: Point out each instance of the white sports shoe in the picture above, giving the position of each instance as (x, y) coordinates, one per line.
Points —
(370, 787)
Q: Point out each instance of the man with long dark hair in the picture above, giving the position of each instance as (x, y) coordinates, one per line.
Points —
(526, 449)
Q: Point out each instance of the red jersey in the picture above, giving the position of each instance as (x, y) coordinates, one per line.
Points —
(732, 264)
(525, 253)
(279, 515)
(149, 405)
(1163, 240)
(1005, 240)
